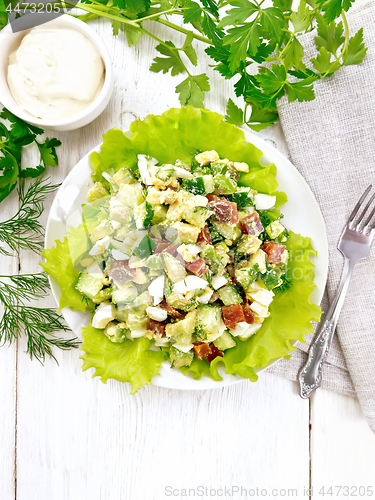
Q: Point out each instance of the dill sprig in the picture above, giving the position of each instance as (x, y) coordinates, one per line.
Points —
(24, 230)
(38, 324)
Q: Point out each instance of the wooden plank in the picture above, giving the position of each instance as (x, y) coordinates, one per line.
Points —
(8, 379)
(95, 441)
(342, 446)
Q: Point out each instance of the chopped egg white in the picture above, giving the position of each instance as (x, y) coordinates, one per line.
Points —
(117, 255)
(100, 246)
(184, 347)
(218, 281)
(200, 201)
(116, 224)
(264, 201)
(182, 173)
(156, 313)
(144, 165)
(261, 311)
(139, 332)
(189, 283)
(156, 289)
(250, 330)
(95, 271)
(264, 297)
(103, 315)
(205, 297)
(240, 328)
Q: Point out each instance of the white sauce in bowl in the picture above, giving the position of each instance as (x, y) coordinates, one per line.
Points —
(55, 73)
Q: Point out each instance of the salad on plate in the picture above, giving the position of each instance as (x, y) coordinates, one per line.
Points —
(182, 255)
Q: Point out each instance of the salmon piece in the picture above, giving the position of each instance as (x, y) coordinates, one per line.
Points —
(251, 224)
(197, 267)
(232, 315)
(274, 251)
(225, 212)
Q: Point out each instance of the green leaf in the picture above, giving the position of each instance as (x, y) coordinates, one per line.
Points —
(322, 62)
(333, 8)
(18, 127)
(48, 152)
(195, 186)
(3, 15)
(145, 247)
(8, 174)
(261, 119)
(171, 61)
(302, 18)
(189, 49)
(272, 20)
(242, 11)
(211, 6)
(255, 96)
(192, 12)
(132, 33)
(272, 81)
(210, 29)
(134, 5)
(284, 5)
(243, 84)
(330, 36)
(59, 265)
(129, 361)
(32, 172)
(356, 49)
(234, 114)
(149, 215)
(243, 40)
(293, 54)
(192, 90)
(303, 90)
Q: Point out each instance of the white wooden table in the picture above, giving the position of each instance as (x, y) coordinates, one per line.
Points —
(66, 436)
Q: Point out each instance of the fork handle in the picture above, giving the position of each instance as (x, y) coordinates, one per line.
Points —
(310, 376)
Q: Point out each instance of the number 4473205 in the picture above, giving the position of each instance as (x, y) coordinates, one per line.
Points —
(32, 8)
(347, 491)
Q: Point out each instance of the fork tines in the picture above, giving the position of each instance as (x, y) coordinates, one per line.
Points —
(366, 227)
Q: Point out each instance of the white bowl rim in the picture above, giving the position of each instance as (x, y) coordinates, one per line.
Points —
(107, 85)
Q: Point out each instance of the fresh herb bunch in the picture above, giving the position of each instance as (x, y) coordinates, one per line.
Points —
(242, 37)
(12, 140)
(24, 231)
(38, 324)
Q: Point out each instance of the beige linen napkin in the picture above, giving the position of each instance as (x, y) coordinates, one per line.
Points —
(331, 142)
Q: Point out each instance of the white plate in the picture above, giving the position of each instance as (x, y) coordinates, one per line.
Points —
(301, 214)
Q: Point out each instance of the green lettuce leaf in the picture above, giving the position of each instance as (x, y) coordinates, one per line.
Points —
(59, 264)
(178, 134)
(129, 361)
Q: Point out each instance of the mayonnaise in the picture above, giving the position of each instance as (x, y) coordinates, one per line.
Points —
(55, 73)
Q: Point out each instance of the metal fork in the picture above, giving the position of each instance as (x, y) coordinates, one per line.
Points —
(354, 244)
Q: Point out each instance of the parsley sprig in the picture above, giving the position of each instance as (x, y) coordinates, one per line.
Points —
(12, 139)
(257, 47)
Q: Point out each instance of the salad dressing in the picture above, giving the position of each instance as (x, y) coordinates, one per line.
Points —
(55, 73)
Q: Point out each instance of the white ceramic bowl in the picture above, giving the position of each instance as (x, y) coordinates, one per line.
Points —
(10, 41)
